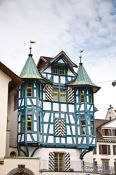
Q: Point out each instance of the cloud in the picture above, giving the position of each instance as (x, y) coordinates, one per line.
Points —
(60, 25)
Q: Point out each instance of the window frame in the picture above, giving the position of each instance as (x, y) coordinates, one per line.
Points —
(104, 150)
(59, 158)
(81, 96)
(114, 149)
(62, 95)
(29, 121)
(29, 89)
(83, 125)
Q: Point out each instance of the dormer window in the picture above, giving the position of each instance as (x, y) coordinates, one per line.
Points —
(59, 70)
(55, 70)
(62, 70)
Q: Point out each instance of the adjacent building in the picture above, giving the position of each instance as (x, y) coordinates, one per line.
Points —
(103, 156)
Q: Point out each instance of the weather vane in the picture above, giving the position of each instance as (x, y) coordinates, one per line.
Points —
(81, 55)
(31, 42)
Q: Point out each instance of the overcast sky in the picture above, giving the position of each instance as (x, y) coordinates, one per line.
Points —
(69, 25)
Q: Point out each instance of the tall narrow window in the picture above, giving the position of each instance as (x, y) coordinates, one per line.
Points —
(114, 149)
(55, 69)
(90, 97)
(114, 132)
(55, 94)
(62, 95)
(59, 161)
(92, 125)
(104, 149)
(83, 125)
(81, 96)
(29, 123)
(105, 164)
(22, 91)
(29, 89)
(62, 70)
(23, 123)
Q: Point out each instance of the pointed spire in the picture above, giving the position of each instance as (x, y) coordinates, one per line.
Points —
(83, 78)
(30, 70)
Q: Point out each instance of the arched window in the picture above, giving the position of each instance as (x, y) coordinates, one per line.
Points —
(12, 154)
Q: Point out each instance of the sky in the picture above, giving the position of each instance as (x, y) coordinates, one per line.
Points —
(69, 25)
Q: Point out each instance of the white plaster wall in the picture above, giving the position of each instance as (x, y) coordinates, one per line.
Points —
(89, 157)
(12, 117)
(110, 124)
(43, 154)
(4, 80)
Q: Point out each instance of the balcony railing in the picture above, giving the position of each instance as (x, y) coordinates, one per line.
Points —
(75, 166)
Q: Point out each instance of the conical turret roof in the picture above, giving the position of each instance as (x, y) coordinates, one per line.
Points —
(83, 79)
(30, 70)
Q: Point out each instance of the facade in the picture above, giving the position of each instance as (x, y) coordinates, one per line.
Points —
(104, 155)
(52, 124)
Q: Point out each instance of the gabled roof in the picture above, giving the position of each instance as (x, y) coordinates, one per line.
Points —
(44, 62)
(64, 56)
(30, 70)
(83, 78)
(16, 80)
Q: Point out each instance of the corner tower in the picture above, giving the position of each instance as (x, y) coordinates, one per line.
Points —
(29, 107)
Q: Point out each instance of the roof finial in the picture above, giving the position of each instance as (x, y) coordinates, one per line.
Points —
(30, 48)
(81, 55)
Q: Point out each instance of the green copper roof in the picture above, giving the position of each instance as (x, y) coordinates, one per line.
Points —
(30, 69)
(83, 79)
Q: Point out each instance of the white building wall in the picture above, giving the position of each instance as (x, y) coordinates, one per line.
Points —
(4, 81)
(43, 154)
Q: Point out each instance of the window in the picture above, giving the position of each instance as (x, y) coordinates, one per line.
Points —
(59, 161)
(12, 154)
(62, 70)
(59, 70)
(92, 127)
(29, 123)
(114, 132)
(114, 149)
(94, 151)
(22, 91)
(29, 89)
(55, 94)
(55, 69)
(23, 123)
(105, 164)
(62, 95)
(104, 149)
(83, 125)
(82, 96)
(90, 97)
(106, 132)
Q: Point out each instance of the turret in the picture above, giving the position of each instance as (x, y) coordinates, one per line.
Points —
(29, 107)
